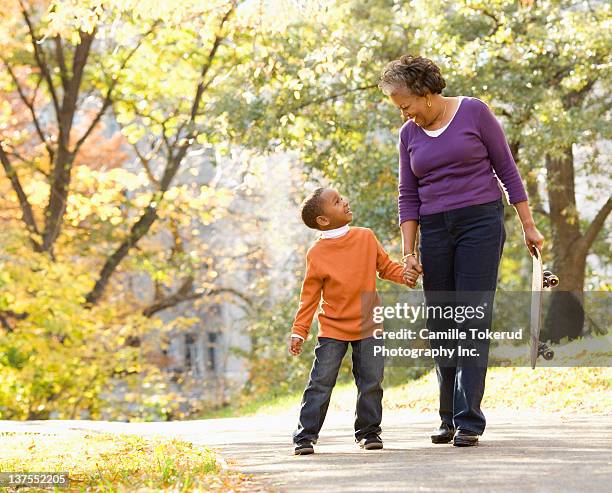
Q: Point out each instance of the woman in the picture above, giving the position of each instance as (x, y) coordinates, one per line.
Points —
(452, 153)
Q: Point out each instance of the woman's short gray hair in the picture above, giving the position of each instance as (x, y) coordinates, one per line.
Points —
(418, 74)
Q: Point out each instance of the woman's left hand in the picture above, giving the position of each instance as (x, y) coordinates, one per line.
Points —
(533, 237)
(412, 270)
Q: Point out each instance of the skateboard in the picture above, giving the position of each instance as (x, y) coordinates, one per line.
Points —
(541, 280)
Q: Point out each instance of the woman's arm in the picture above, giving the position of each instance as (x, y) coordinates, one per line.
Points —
(409, 231)
(408, 203)
(494, 139)
(412, 267)
(502, 161)
(530, 233)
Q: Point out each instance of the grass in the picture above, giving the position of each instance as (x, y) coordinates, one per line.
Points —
(581, 386)
(263, 404)
(115, 463)
(560, 390)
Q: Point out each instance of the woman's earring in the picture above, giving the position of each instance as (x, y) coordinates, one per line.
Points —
(429, 103)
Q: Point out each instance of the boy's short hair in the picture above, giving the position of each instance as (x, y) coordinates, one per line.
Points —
(312, 206)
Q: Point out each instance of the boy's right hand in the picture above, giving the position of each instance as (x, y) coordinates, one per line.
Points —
(295, 346)
(412, 270)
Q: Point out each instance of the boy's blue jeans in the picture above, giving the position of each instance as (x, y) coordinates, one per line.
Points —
(460, 251)
(368, 371)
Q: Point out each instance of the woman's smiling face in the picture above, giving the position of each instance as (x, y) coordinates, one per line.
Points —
(413, 107)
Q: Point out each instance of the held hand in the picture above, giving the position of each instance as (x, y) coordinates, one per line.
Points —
(412, 270)
(533, 237)
(295, 346)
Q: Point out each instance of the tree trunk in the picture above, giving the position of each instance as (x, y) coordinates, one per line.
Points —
(62, 167)
(139, 229)
(565, 315)
(58, 195)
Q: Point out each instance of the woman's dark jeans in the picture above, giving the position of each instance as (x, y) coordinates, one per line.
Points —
(460, 253)
(368, 371)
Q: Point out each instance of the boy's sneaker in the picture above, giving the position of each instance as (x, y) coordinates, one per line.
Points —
(371, 442)
(303, 448)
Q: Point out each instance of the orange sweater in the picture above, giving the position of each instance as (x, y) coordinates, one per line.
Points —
(341, 275)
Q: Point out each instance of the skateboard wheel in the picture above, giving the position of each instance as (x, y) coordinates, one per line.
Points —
(545, 282)
(547, 273)
(553, 281)
(548, 355)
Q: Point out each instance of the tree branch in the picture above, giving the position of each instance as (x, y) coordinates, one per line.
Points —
(59, 56)
(26, 208)
(597, 224)
(26, 161)
(575, 98)
(182, 296)
(62, 166)
(40, 58)
(201, 87)
(333, 96)
(5, 324)
(30, 105)
(145, 160)
(108, 97)
(142, 226)
(138, 230)
(206, 67)
(6, 314)
(491, 16)
(68, 108)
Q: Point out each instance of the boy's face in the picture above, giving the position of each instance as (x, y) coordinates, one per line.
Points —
(336, 210)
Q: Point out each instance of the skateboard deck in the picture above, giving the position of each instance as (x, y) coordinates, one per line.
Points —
(540, 280)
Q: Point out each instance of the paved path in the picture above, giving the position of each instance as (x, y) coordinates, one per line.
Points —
(520, 452)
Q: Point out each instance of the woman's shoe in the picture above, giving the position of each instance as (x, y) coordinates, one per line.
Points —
(303, 448)
(371, 442)
(444, 434)
(465, 438)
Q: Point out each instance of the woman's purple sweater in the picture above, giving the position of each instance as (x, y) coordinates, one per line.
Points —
(458, 168)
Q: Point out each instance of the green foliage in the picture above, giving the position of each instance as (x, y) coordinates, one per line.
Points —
(542, 66)
(50, 359)
(61, 358)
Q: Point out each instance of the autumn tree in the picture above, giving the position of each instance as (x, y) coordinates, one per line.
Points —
(77, 215)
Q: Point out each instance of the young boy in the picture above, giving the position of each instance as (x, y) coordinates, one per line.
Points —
(341, 269)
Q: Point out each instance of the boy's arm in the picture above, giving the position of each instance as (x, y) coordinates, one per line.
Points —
(310, 297)
(387, 268)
